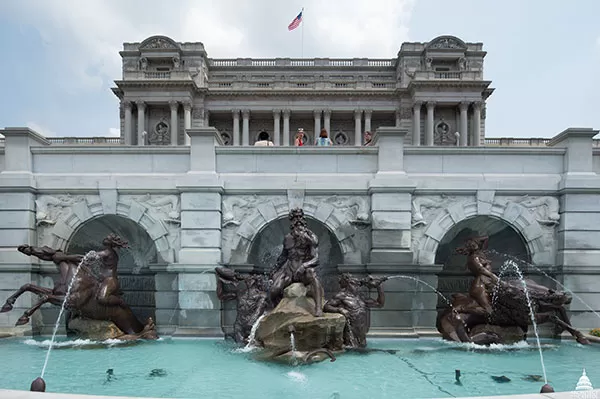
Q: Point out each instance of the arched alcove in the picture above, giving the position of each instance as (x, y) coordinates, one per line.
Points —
(504, 242)
(268, 243)
(136, 279)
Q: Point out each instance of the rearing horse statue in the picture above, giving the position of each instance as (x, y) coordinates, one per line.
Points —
(95, 293)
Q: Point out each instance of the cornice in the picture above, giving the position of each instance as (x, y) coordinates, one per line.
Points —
(122, 84)
(443, 83)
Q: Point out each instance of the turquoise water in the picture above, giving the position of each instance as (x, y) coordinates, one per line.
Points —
(198, 368)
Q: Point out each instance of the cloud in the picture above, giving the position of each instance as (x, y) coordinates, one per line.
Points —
(83, 38)
(41, 129)
(114, 132)
(598, 41)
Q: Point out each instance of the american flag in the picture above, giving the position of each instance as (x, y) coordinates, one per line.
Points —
(296, 22)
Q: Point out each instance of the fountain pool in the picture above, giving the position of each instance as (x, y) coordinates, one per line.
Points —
(211, 368)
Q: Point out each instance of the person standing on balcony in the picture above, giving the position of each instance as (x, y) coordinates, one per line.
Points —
(263, 140)
(299, 140)
(323, 140)
(368, 139)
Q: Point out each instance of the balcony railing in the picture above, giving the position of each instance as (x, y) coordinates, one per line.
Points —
(85, 140)
(287, 62)
(450, 75)
(156, 75)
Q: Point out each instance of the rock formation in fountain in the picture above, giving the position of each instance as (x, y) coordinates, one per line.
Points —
(474, 317)
(250, 291)
(355, 308)
(95, 301)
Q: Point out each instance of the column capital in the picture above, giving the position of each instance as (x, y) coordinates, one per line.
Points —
(126, 104)
(430, 105)
(317, 113)
(417, 105)
(245, 113)
(464, 105)
(173, 105)
(477, 105)
(277, 113)
(235, 113)
(286, 113)
(368, 112)
(357, 113)
(326, 112)
(140, 103)
(187, 106)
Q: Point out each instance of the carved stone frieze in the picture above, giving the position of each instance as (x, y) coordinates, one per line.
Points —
(544, 209)
(166, 207)
(237, 207)
(356, 209)
(446, 43)
(425, 208)
(50, 208)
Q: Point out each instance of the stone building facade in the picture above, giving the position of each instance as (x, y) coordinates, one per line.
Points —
(434, 89)
(197, 194)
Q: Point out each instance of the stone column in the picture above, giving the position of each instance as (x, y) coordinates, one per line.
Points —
(277, 127)
(398, 117)
(368, 114)
(141, 108)
(327, 120)
(286, 127)
(174, 121)
(317, 115)
(476, 124)
(187, 120)
(246, 127)
(430, 117)
(236, 127)
(128, 123)
(417, 123)
(464, 131)
(357, 127)
(206, 118)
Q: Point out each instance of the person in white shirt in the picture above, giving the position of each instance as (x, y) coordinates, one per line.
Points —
(263, 140)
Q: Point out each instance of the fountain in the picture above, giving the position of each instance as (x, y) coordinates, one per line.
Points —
(286, 314)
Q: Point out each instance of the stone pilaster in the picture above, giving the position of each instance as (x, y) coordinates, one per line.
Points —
(477, 124)
(578, 233)
(18, 224)
(368, 115)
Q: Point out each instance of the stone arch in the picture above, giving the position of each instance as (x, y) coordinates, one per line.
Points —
(338, 223)
(513, 214)
(87, 208)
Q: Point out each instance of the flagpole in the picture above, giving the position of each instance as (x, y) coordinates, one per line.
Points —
(302, 45)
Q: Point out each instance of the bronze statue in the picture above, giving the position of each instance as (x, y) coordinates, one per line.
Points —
(95, 293)
(251, 298)
(474, 318)
(297, 262)
(355, 308)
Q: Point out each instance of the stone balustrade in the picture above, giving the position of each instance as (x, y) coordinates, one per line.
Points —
(290, 62)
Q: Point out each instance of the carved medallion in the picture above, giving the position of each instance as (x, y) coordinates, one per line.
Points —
(161, 134)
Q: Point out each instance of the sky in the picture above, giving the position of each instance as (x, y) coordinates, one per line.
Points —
(61, 57)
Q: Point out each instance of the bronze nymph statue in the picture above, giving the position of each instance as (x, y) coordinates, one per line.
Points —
(250, 291)
(356, 308)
